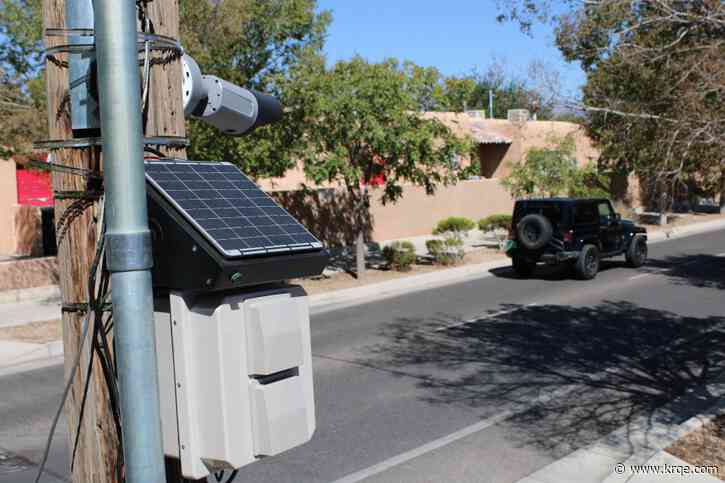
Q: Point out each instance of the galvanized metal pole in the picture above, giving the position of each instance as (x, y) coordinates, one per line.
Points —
(128, 240)
(490, 104)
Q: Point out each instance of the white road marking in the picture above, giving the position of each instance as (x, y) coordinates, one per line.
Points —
(483, 317)
(451, 438)
(720, 254)
(640, 276)
(426, 448)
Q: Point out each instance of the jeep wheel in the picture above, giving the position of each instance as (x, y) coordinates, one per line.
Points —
(587, 265)
(637, 252)
(534, 231)
(522, 267)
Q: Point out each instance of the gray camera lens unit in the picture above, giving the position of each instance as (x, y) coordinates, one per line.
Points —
(231, 109)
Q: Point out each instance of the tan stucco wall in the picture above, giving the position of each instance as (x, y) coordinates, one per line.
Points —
(417, 213)
(8, 202)
(328, 213)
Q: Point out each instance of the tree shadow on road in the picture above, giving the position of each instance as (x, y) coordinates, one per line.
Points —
(613, 362)
(695, 270)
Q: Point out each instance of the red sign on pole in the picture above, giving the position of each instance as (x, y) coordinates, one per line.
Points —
(34, 188)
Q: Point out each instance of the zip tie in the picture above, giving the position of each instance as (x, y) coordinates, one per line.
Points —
(83, 307)
(63, 168)
(77, 195)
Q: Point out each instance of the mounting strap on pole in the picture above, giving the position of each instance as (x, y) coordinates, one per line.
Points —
(128, 252)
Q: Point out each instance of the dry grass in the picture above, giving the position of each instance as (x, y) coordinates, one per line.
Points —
(705, 446)
(35, 332)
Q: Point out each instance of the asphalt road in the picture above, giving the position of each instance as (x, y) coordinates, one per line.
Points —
(483, 381)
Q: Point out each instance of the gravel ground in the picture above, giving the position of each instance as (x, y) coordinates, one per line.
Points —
(705, 446)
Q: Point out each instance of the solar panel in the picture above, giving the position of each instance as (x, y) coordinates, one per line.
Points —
(228, 209)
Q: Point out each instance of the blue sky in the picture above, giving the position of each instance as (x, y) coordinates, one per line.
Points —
(454, 36)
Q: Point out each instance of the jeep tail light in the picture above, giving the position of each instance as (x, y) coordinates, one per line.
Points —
(569, 236)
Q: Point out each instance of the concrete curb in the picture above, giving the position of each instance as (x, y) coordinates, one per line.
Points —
(358, 295)
(666, 439)
(686, 230)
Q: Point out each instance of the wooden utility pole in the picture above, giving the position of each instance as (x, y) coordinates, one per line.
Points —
(165, 110)
(77, 217)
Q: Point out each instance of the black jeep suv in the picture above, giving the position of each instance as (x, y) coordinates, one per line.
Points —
(578, 232)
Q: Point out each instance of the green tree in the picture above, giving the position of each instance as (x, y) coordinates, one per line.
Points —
(548, 172)
(460, 94)
(655, 90)
(23, 115)
(253, 43)
(361, 124)
(425, 85)
(471, 91)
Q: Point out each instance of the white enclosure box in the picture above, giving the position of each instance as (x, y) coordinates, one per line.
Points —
(235, 376)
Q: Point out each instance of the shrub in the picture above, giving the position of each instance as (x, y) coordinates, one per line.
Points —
(446, 251)
(495, 222)
(457, 225)
(400, 255)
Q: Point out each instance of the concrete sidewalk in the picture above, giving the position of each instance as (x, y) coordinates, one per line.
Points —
(15, 353)
(635, 453)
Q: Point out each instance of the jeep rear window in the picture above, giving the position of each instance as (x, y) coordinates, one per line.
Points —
(551, 211)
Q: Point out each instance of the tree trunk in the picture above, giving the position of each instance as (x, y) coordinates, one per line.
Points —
(98, 457)
(360, 255)
(722, 192)
(361, 219)
(662, 202)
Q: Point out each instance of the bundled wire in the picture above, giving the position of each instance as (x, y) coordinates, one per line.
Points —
(76, 362)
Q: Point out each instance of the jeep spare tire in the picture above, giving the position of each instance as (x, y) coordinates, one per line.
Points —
(534, 231)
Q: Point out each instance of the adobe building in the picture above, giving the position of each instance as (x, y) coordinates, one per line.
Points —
(500, 143)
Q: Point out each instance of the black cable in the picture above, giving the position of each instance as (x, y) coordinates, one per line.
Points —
(154, 151)
(63, 398)
(63, 168)
(77, 436)
(106, 359)
(92, 309)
